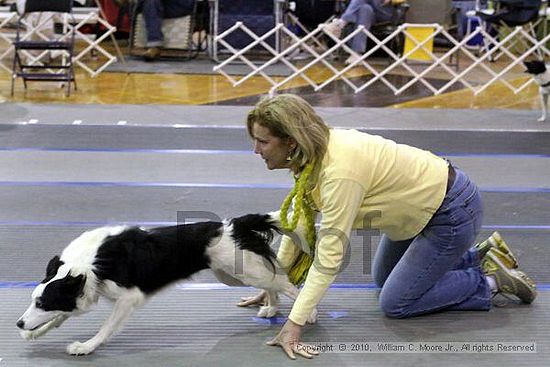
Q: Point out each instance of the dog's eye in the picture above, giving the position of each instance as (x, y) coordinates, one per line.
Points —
(38, 304)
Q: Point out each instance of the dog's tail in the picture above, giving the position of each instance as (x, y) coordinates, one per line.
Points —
(255, 232)
(298, 235)
(275, 219)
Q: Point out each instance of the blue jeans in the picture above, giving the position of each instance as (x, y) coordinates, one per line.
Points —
(436, 270)
(154, 11)
(365, 13)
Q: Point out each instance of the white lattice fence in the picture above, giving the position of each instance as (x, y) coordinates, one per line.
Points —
(7, 18)
(435, 59)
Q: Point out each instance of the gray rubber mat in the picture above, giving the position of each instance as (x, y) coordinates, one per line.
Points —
(182, 327)
(129, 137)
(203, 168)
(234, 116)
(194, 66)
(58, 181)
(105, 204)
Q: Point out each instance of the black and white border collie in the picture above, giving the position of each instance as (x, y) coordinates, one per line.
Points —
(541, 75)
(130, 264)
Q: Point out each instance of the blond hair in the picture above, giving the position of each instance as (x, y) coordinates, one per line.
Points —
(287, 115)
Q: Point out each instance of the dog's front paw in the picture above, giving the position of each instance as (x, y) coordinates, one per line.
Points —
(312, 319)
(79, 349)
(267, 311)
(541, 119)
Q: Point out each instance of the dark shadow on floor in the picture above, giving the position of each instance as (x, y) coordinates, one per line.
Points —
(339, 94)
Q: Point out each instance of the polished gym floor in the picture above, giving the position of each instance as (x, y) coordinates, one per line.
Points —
(139, 148)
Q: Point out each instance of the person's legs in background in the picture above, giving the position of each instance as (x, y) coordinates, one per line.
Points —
(154, 11)
(360, 12)
(152, 14)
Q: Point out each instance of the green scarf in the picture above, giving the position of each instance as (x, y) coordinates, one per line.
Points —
(299, 270)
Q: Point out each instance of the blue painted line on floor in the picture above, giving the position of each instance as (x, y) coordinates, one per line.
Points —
(337, 314)
(220, 286)
(191, 126)
(169, 223)
(219, 185)
(491, 155)
(130, 150)
(276, 320)
(11, 285)
(524, 227)
(515, 189)
(241, 152)
(83, 223)
(353, 286)
(488, 227)
(144, 184)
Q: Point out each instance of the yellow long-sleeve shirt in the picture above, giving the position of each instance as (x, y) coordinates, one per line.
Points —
(365, 181)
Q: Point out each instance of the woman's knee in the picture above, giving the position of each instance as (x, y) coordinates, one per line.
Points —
(357, 3)
(392, 306)
(366, 15)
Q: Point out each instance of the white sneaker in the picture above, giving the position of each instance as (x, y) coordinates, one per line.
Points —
(352, 59)
(297, 54)
(335, 28)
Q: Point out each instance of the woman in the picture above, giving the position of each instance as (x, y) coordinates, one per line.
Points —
(428, 211)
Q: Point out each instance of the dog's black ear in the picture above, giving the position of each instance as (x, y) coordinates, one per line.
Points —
(74, 285)
(52, 268)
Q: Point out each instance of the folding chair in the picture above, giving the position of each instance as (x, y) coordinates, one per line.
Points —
(24, 44)
(260, 16)
(311, 13)
(508, 14)
(512, 13)
(383, 29)
(305, 15)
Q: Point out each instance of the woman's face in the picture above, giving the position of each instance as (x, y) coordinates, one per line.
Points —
(272, 149)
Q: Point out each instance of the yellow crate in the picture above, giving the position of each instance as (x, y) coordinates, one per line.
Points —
(415, 36)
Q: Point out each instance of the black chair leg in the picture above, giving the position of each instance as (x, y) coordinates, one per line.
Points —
(12, 84)
(13, 73)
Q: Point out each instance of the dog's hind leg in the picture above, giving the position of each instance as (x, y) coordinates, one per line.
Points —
(122, 309)
(544, 102)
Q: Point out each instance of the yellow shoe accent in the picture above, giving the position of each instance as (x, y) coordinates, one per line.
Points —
(496, 245)
(503, 248)
(510, 281)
